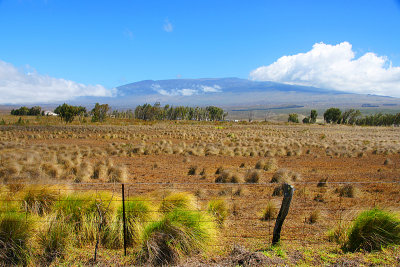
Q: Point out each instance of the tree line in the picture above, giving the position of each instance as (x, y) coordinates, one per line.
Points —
(355, 117)
(147, 112)
(25, 111)
(157, 112)
(351, 117)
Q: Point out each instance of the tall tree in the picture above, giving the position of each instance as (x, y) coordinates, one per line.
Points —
(99, 112)
(332, 115)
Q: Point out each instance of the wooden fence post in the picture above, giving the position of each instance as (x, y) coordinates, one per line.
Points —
(287, 198)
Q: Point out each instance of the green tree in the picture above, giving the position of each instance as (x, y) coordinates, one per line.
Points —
(215, 113)
(293, 117)
(34, 111)
(313, 116)
(332, 115)
(67, 112)
(99, 112)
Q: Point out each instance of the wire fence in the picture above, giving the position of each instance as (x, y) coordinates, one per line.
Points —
(316, 208)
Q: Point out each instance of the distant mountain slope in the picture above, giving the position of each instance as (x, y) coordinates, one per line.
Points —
(232, 93)
(186, 87)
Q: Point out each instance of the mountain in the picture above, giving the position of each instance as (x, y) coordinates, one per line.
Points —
(234, 93)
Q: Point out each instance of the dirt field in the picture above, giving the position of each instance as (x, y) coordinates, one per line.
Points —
(318, 160)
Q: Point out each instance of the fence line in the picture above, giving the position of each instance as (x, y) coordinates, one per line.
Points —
(243, 224)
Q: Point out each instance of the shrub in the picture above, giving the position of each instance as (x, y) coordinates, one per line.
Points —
(203, 172)
(387, 162)
(319, 198)
(252, 176)
(278, 191)
(235, 178)
(346, 191)
(271, 165)
(218, 209)
(14, 236)
(99, 171)
(314, 217)
(372, 230)
(338, 234)
(177, 233)
(269, 212)
(260, 164)
(322, 182)
(285, 176)
(116, 174)
(219, 170)
(192, 170)
(224, 176)
(293, 117)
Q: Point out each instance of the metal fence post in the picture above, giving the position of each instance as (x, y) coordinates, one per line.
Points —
(123, 217)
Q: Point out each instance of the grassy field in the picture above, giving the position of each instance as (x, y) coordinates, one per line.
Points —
(231, 174)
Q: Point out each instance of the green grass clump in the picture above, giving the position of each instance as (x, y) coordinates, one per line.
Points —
(71, 208)
(178, 200)
(138, 212)
(14, 237)
(372, 230)
(39, 200)
(218, 209)
(269, 212)
(53, 240)
(84, 212)
(178, 233)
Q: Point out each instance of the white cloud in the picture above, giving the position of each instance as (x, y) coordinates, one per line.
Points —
(334, 67)
(18, 86)
(168, 26)
(197, 89)
(211, 89)
(174, 92)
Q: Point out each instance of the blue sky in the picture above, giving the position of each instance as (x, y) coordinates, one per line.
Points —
(110, 43)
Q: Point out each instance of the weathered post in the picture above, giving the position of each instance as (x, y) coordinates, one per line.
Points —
(287, 198)
(123, 217)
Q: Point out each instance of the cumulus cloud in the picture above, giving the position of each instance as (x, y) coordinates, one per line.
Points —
(18, 86)
(335, 67)
(168, 26)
